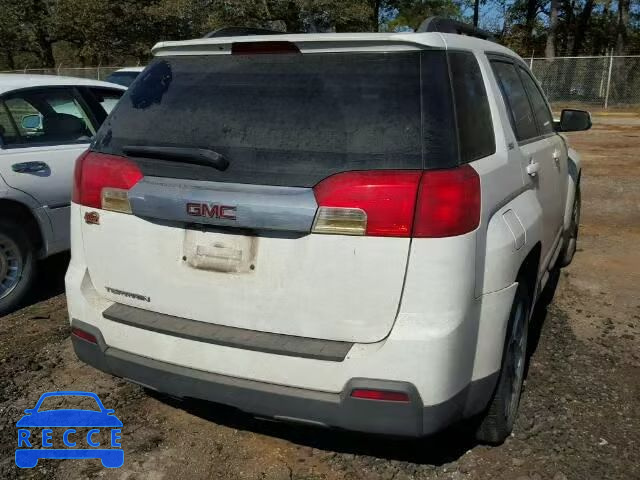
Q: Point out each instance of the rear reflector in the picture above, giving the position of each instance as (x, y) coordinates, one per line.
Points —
(263, 48)
(102, 181)
(399, 203)
(76, 332)
(382, 395)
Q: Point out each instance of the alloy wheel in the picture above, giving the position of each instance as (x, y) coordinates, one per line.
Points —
(10, 265)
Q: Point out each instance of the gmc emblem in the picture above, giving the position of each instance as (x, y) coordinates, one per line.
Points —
(211, 210)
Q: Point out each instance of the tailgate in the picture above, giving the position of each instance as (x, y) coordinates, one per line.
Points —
(319, 286)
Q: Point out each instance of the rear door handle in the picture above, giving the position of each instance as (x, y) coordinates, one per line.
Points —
(30, 167)
(533, 168)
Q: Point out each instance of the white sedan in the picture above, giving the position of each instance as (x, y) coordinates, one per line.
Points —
(45, 123)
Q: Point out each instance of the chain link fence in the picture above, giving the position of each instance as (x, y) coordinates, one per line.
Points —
(609, 81)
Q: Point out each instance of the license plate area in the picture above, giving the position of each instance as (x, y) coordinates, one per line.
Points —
(220, 251)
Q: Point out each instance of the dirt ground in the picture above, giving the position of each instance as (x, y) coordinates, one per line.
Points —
(579, 416)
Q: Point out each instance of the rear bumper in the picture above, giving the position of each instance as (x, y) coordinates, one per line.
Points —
(410, 419)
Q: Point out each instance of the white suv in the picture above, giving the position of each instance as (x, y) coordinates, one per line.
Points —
(346, 230)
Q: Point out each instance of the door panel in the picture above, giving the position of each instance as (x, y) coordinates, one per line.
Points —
(51, 180)
(38, 158)
(554, 169)
(539, 155)
(536, 150)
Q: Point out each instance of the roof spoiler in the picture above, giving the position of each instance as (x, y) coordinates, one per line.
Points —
(446, 25)
(241, 32)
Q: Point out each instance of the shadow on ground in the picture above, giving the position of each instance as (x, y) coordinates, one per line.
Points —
(436, 450)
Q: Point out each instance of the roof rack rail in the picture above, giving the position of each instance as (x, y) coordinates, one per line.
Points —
(240, 32)
(446, 25)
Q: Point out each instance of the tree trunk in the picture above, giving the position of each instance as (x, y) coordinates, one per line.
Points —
(46, 50)
(11, 62)
(581, 28)
(601, 43)
(618, 92)
(623, 24)
(375, 17)
(550, 50)
(532, 12)
(476, 12)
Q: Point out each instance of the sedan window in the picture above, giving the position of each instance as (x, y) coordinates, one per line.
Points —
(53, 117)
(8, 132)
(106, 97)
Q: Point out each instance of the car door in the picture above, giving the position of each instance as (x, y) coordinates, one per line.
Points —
(39, 158)
(559, 155)
(535, 149)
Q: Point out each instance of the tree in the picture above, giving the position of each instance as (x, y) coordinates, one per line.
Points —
(581, 27)
(532, 13)
(550, 50)
(623, 26)
(411, 13)
(41, 33)
(25, 28)
(476, 12)
(12, 36)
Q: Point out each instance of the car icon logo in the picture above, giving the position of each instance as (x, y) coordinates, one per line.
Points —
(31, 448)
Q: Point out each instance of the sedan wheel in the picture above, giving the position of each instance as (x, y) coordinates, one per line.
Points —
(17, 265)
(10, 265)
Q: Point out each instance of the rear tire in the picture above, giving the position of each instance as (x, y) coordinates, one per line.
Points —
(571, 242)
(497, 423)
(17, 265)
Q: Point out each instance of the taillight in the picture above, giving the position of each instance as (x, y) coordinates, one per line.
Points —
(376, 203)
(102, 181)
(448, 203)
(399, 203)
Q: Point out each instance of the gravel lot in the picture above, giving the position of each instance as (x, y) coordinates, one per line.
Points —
(579, 416)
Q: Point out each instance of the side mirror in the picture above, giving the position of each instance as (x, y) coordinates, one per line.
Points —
(109, 411)
(574, 121)
(32, 122)
(29, 411)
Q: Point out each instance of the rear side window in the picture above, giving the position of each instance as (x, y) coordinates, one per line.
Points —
(47, 116)
(522, 118)
(287, 119)
(8, 132)
(475, 127)
(544, 119)
(106, 97)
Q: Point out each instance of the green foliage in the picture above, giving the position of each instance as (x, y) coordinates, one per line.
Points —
(45, 33)
(411, 13)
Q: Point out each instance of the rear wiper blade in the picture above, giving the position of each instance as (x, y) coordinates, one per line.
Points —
(197, 156)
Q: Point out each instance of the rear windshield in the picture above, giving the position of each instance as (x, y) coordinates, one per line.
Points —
(289, 119)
